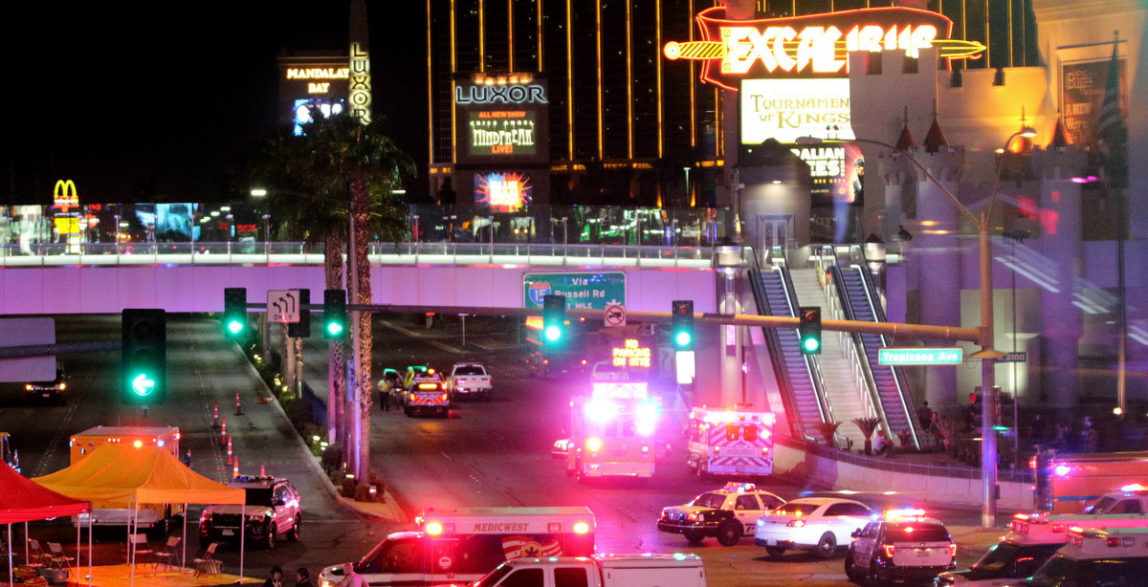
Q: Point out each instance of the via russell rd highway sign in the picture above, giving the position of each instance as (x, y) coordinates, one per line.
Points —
(910, 356)
(583, 291)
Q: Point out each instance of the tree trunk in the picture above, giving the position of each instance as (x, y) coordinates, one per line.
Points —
(361, 323)
(336, 362)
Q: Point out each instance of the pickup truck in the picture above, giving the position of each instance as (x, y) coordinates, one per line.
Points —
(644, 570)
(469, 380)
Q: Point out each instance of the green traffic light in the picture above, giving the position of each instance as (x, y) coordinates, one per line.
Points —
(142, 385)
(235, 326)
(553, 333)
(334, 328)
(683, 338)
(811, 345)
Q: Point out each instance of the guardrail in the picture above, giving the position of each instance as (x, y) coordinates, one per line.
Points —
(296, 253)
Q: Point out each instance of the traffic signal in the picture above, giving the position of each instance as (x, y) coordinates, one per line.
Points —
(144, 355)
(682, 324)
(334, 314)
(810, 330)
(235, 312)
(553, 320)
(302, 328)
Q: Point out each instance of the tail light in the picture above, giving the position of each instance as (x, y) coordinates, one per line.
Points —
(581, 528)
(442, 398)
(412, 397)
(953, 549)
(796, 524)
(890, 550)
(433, 528)
(764, 450)
(593, 444)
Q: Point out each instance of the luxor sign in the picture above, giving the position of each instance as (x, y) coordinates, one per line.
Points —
(816, 45)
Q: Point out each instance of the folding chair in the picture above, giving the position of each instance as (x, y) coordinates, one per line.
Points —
(169, 554)
(207, 564)
(135, 541)
(36, 556)
(56, 556)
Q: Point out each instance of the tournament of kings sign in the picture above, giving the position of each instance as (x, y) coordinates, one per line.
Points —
(815, 45)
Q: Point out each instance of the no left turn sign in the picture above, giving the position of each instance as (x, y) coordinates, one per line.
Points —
(615, 315)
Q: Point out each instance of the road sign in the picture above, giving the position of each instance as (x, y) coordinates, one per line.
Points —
(1013, 358)
(583, 291)
(283, 306)
(615, 315)
(903, 357)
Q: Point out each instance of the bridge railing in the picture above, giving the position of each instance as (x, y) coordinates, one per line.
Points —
(297, 253)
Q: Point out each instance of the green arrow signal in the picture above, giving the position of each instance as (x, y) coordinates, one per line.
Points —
(143, 385)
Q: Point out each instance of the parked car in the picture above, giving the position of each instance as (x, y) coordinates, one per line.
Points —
(49, 390)
(272, 509)
(821, 525)
(902, 546)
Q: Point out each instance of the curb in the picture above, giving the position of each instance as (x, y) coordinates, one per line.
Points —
(341, 502)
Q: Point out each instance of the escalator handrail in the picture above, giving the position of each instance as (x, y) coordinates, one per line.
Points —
(773, 344)
(867, 369)
(898, 373)
(812, 364)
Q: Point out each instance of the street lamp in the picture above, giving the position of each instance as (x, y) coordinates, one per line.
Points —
(987, 354)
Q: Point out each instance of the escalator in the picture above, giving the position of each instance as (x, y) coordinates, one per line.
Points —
(888, 386)
(797, 376)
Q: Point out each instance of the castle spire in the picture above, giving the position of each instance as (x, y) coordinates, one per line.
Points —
(905, 141)
(935, 139)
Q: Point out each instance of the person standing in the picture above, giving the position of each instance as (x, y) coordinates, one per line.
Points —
(303, 578)
(925, 415)
(276, 578)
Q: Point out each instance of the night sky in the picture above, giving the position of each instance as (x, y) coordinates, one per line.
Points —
(162, 101)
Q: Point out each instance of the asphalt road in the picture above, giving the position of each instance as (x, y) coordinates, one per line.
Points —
(485, 453)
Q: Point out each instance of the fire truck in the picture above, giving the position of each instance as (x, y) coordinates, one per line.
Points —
(1066, 484)
(612, 431)
(730, 441)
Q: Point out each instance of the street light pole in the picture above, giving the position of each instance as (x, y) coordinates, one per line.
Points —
(987, 354)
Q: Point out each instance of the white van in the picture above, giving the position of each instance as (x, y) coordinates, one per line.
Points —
(461, 545)
(642, 570)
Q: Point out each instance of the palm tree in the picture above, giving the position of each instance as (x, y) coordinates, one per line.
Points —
(868, 426)
(829, 431)
(349, 172)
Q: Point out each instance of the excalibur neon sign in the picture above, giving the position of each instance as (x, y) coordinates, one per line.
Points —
(814, 45)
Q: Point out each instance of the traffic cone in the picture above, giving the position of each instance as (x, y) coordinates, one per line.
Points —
(215, 416)
(229, 450)
(235, 470)
(262, 470)
(238, 406)
(223, 432)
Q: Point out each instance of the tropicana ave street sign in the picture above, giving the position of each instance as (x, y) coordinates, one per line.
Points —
(910, 356)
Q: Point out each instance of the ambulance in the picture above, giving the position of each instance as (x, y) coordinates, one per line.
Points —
(151, 515)
(457, 546)
(730, 441)
(1032, 540)
(1066, 484)
(612, 431)
(1096, 557)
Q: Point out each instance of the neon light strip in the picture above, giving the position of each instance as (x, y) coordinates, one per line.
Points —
(430, 92)
(569, 83)
(629, 85)
(453, 84)
(538, 23)
(658, 43)
(510, 32)
(482, 35)
(598, 47)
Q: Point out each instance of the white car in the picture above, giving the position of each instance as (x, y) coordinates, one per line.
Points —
(820, 525)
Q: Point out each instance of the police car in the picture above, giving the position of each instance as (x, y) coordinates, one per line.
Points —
(904, 545)
(1096, 558)
(727, 514)
(1032, 540)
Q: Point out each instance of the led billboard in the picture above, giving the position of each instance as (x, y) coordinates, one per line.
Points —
(503, 191)
(501, 132)
(785, 109)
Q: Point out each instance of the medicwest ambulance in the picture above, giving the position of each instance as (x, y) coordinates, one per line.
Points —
(461, 545)
(1032, 540)
(1096, 557)
(734, 441)
(612, 431)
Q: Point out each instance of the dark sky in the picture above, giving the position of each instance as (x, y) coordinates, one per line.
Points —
(160, 101)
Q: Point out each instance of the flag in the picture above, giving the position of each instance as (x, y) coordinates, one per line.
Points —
(1111, 132)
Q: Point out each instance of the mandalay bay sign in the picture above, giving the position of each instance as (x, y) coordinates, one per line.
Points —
(815, 45)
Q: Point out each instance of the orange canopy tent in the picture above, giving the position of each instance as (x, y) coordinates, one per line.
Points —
(24, 501)
(118, 475)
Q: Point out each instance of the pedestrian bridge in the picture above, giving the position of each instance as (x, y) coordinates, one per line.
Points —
(97, 278)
